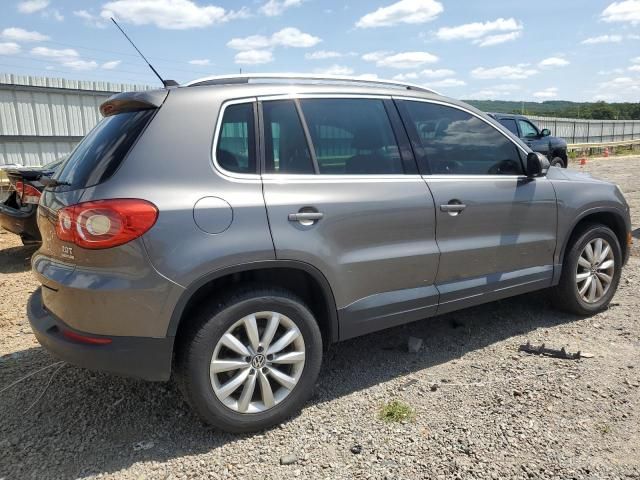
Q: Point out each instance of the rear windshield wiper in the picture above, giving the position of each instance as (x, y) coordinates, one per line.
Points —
(52, 182)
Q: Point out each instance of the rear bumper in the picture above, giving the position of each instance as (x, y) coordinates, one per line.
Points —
(140, 357)
(23, 223)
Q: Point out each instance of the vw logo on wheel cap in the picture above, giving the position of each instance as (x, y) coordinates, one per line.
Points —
(258, 361)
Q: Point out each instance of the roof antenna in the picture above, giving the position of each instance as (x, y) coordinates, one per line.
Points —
(166, 83)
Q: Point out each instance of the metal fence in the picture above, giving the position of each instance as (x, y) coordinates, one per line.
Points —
(575, 130)
(42, 119)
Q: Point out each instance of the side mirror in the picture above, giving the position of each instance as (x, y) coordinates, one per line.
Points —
(545, 132)
(537, 165)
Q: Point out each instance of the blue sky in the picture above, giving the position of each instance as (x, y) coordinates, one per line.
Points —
(581, 50)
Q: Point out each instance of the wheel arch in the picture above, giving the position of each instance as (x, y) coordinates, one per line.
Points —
(610, 217)
(303, 279)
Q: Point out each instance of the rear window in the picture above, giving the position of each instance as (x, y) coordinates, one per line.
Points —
(101, 152)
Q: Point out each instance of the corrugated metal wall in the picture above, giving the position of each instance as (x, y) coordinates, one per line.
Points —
(42, 119)
(575, 130)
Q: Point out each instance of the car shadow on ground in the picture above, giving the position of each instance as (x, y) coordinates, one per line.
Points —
(109, 423)
(16, 259)
(636, 233)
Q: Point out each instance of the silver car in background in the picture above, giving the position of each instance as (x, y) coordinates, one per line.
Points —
(230, 229)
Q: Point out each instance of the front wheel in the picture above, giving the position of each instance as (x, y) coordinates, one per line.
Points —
(590, 271)
(252, 362)
(557, 162)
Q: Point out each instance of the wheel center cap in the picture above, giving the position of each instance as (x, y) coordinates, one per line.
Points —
(258, 361)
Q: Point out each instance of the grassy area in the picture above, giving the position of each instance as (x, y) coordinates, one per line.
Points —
(396, 411)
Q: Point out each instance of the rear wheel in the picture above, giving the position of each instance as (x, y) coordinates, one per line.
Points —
(590, 271)
(252, 362)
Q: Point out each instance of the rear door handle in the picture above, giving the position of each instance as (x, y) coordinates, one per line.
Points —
(453, 208)
(306, 218)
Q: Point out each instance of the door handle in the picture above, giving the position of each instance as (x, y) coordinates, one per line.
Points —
(453, 208)
(305, 218)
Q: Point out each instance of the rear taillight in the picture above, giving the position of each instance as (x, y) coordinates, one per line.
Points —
(27, 193)
(105, 223)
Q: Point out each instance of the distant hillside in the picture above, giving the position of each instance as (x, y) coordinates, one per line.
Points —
(560, 108)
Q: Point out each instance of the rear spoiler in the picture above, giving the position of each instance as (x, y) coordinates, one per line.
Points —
(133, 101)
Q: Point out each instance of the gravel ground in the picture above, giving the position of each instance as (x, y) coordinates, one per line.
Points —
(482, 410)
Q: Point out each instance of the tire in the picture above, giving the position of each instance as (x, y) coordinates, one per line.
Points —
(204, 390)
(566, 295)
(557, 162)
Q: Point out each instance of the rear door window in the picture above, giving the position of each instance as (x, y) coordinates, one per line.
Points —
(352, 136)
(510, 123)
(286, 148)
(100, 153)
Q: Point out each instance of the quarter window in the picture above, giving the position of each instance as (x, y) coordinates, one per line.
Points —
(458, 143)
(286, 149)
(236, 150)
(352, 136)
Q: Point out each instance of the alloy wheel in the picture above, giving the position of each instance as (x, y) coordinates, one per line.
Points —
(258, 362)
(595, 270)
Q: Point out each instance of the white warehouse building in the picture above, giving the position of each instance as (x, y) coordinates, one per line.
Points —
(42, 119)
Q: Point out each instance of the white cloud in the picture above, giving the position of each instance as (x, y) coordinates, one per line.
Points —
(375, 56)
(21, 35)
(254, 57)
(251, 42)
(400, 60)
(32, 6)
(90, 19)
(501, 91)
(634, 68)
(335, 70)
(515, 72)
(67, 57)
(447, 82)
(611, 72)
(9, 48)
(66, 54)
(428, 73)
(625, 11)
(273, 8)
(553, 62)
(292, 37)
(80, 64)
(55, 13)
(550, 92)
(169, 14)
(200, 61)
(483, 34)
(497, 39)
(602, 39)
(287, 37)
(111, 65)
(322, 55)
(404, 11)
(635, 60)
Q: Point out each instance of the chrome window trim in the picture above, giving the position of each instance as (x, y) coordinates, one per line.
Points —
(275, 177)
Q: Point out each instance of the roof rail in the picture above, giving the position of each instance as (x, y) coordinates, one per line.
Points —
(302, 77)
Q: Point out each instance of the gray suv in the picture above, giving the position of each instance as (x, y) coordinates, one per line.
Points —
(228, 230)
